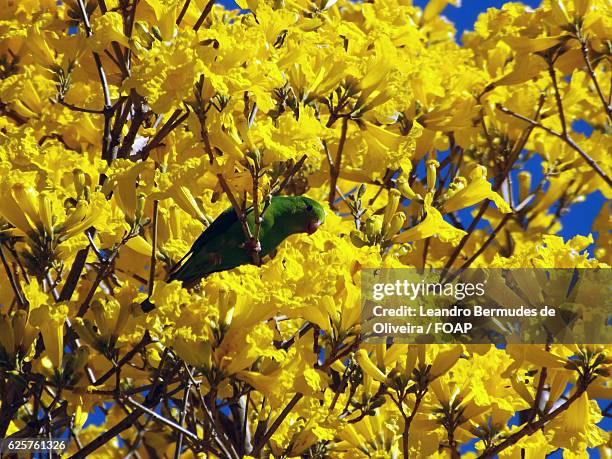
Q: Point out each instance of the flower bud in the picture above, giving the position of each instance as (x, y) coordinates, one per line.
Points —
(79, 181)
(26, 198)
(187, 202)
(361, 191)
(373, 227)
(140, 203)
(396, 224)
(458, 184)
(102, 320)
(432, 173)
(7, 338)
(20, 320)
(392, 203)
(404, 249)
(404, 188)
(368, 366)
(175, 222)
(227, 301)
(46, 214)
(81, 357)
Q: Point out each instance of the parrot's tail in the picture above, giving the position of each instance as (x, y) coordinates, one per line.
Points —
(182, 275)
(147, 306)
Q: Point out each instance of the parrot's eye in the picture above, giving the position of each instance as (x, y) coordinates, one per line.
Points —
(309, 208)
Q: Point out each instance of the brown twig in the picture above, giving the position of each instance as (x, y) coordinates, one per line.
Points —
(152, 399)
(251, 244)
(218, 434)
(79, 109)
(104, 269)
(289, 342)
(179, 440)
(538, 395)
(183, 12)
(336, 166)
(276, 424)
(207, 9)
(289, 176)
(154, 250)
(120, 120)
(584, 48)
(139, 116)
(108, 110)
(408, 421)
(74, 274)
(146, 339)
(257, 218)
(481, 249)
(553, 78)
(173, 122)
(533, 427)
(161, 419)
(18, 295)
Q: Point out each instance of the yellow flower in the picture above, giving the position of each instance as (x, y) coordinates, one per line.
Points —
(432, 225)
(16, 338)
(368, 366)
(576, 429)
(474, 191)
(107, 28)
(192, 348)
(50, 321)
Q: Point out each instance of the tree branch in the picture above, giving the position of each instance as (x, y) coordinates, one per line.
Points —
(207, 9)
(591, 71)
(276, 424)
(251, 244)
(335, 167)
(531, 428)
(108, 110)
(566, 138)
(18, 295)
(154, 250)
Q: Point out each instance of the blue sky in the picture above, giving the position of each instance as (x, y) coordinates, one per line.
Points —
(465, 16)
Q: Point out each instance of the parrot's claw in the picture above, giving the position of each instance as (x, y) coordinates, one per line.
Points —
(252, 246)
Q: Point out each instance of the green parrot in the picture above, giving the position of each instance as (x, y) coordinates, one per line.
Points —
(222, 245)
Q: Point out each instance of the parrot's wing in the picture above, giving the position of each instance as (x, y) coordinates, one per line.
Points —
(216, 229)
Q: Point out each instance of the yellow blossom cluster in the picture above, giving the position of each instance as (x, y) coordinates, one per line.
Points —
(127, 127)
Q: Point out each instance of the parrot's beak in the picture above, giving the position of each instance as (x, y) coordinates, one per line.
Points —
(313, 225)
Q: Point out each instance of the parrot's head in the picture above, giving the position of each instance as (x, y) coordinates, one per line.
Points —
(311, 213)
